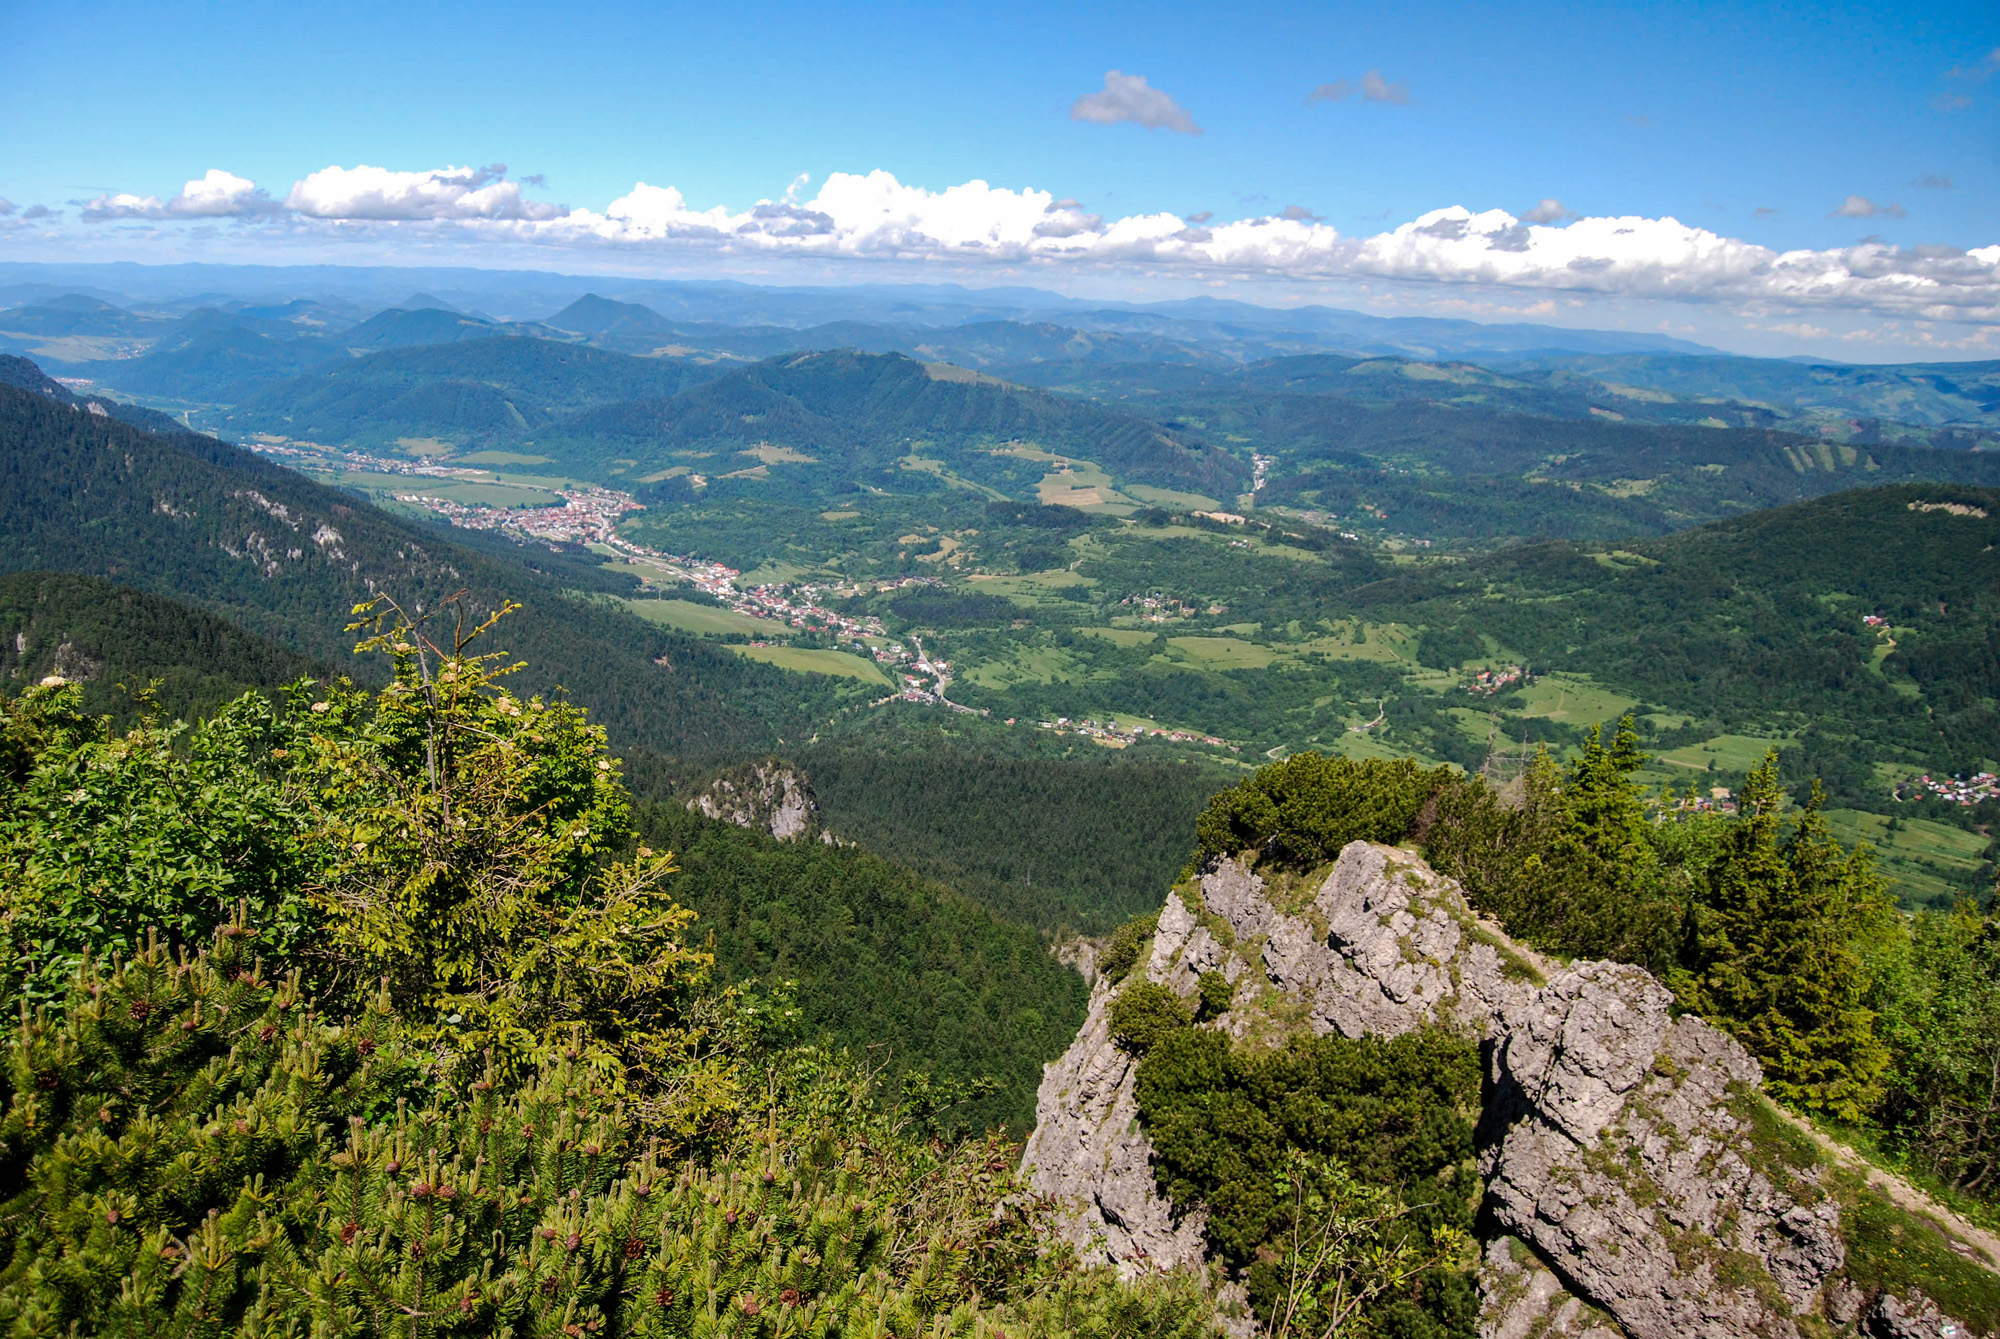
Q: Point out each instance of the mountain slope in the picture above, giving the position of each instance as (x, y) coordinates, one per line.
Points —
(398, 327)
(116, 640)
(902, 970)
(1928, 394)
(72, 314)
(1459, 452)
(593, 315)
(857, 411)
(22, 374)
(213, 356)
(477, 392)
(1755, 624)
(286, 558)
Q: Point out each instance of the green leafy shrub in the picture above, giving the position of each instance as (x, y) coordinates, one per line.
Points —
(1213, 996)
(195, 1149)
(165, 828)
(1228, 1123)
(1304, 809)
(1146, 1013)
(1943, 1021)
(1122, 949)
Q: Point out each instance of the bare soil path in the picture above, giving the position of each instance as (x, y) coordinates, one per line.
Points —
(1968, 1239)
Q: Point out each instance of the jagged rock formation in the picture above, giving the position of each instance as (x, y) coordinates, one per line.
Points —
(1087, 1148)
(1629, 1158)
(769, 795)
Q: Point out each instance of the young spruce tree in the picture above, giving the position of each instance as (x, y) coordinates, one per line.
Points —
(1771, 952)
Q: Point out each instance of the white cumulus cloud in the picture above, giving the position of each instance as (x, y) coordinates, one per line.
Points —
(1128, 97)
(216, 194)
(376, 193)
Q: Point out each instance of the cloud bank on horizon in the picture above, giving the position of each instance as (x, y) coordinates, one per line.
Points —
(1545, 249)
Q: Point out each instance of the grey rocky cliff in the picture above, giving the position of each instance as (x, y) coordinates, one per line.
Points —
(771, 796)
(1619, 1143)
(1088, 1150)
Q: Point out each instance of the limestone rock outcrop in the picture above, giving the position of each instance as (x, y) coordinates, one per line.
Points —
(770, 796)
(1632, 1171)
(1088, 1150)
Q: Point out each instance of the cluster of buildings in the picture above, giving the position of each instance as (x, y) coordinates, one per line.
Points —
(1487, 682)
(1160, 608)
(1874, 621)
(1112, 732)
(1961, 790)
(1719, 800)
(586, 516)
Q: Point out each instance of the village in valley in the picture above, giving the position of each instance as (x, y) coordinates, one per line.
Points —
(1964, 791)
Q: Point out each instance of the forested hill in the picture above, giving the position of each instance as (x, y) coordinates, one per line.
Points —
(24, 375)
(866, 410)
(286, 558)
(116, 641)
(482, 392)
(1760, 619)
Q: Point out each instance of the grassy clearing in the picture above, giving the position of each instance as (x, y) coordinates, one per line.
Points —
(1926, 863)
(1032, 588)
(1351, 744)
(1222, 653)
(425, 446)
(1727, 753)
(1167, 497)
(1120, 636)
(704, 619)
(1173, 532)
(1383, 642)
(1028, 664)
(801, 661)
(502, 458)
(1575, 699)
(469, 492)
(1916, 837)
(926, 465)
(778, 455)
(1478, 726)
(1084, 485)
(1297, 555)
(76, 348)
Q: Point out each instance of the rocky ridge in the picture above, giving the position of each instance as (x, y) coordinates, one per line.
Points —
(1637, 1182)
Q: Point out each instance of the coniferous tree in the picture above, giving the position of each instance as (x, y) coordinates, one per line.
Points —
(1576, 868)
(1772, 952)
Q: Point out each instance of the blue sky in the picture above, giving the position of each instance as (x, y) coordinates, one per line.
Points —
(1775, 129)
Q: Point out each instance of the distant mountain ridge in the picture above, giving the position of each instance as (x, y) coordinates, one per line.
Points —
(471, 392)
(865, 411)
